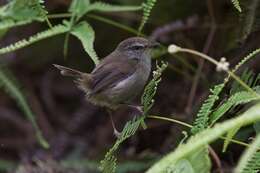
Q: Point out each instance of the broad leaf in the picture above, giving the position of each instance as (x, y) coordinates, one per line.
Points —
(197, 162)
(23, 10)
(85, 33)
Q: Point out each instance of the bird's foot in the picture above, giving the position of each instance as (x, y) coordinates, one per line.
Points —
(137, 108)
(117, 133)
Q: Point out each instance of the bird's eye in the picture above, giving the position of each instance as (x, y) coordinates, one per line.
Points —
(137, 47)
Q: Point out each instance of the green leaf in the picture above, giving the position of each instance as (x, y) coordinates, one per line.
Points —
(58, 29)
(105, 7)
(78, 7)
(234, 100)
(250, 160)
(197, 162)
(205, 137)
(229, 136)
(85, 33)
(202, 118)
(147, 8)
(81, 7)
(108, 164)
(236, 5)
(19, 10)
(8, 82)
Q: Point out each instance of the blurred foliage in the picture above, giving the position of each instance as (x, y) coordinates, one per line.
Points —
(227, 28)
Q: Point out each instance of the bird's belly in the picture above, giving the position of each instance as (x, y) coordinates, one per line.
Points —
(128, 88)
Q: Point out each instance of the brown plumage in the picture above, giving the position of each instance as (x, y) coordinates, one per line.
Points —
(119, 77)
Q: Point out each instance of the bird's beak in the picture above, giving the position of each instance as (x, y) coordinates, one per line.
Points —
(153, 44)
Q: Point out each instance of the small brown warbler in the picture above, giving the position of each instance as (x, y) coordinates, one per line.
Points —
(119, 77)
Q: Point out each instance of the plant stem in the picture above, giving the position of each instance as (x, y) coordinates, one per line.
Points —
(111, 22)
(170, 120)
(61, 15)
(194, 52)
(210, 59)
(190, 126)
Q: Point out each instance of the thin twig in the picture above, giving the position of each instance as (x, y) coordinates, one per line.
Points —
(216, 159)
(190, 126)
(201, 61)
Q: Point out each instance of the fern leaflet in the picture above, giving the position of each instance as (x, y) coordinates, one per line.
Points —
(9, 23)
(236, 5)
(202, 119)
(147, 8)
(58, 29)
(250, 160)
(8, 82)
(236, 99)
(105, 7)
(108, 164)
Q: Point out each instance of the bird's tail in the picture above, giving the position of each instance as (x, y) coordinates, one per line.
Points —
(65, 71)
(83, 80)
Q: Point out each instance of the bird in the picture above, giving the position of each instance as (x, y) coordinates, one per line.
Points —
(119, 77)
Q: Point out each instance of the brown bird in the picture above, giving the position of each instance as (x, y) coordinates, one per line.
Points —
(119, 77)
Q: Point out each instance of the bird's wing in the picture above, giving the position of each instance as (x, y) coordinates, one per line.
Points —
(108, 73)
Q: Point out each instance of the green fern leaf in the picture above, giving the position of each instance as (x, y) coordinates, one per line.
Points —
(19, 10)
(228, 138)
(236, 5)
(150, 89)
(105, 7)
(7, 81)
(108, 164)
(85, 33)
(78, 7)
(147, 8)
(242, 62)
(236, 99)
(9, 23)
(58, 29)
(202, 119)
(250, 160)
(196, 162)
(249, 18)
(81, 7)
(204, 138)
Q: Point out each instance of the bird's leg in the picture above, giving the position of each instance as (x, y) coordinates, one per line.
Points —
(116, 132)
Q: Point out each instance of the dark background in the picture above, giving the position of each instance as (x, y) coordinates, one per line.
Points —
(78, 131)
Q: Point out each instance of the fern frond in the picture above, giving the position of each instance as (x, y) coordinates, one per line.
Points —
(250, 160)
(234, 100)
(105, 7)
(108, 164)
(147, 8)
(243, 61)
(248, 77)
(58, 29)
(204, 138)
(9, 23)
(81, 7)
(236, 5)
(150, 89)
(202, 119)
(8, 82)
(249, 18)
